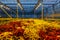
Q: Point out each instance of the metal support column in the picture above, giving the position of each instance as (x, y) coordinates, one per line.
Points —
(42, 15)
(17, 12)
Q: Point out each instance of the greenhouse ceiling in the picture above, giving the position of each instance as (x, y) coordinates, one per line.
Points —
(28, 5)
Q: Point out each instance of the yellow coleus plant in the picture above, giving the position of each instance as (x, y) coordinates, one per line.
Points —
(31, 28)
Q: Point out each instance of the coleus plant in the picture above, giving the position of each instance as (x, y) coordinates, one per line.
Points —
(31, 30)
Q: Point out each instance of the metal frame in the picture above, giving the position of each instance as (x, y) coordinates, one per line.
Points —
(3, 7)
(38, 4)
(20, 5)
(6, 7)
(35, 8)
(53, 15)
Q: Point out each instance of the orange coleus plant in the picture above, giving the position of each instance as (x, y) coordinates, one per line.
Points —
(30, 30)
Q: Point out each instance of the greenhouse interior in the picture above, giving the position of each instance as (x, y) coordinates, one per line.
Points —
(29, 19)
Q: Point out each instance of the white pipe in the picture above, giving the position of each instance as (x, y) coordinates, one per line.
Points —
(38, 6)
(6, 12)
(2, 6)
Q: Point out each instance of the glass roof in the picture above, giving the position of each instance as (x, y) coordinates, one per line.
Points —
(28, 5)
